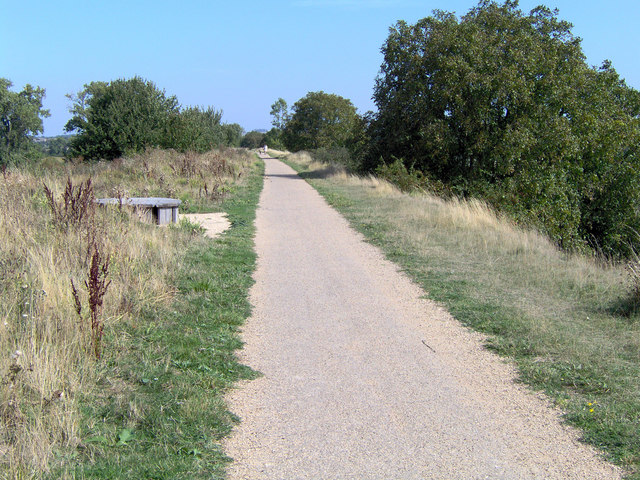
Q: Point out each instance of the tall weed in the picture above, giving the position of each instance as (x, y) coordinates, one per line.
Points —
(76, 206)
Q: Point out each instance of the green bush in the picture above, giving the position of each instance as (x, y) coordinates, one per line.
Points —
(396, 172)
(273, 138)
(320, 120)
(194, 129)
(123, 116)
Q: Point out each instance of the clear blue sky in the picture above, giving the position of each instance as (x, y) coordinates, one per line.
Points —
(240, 56)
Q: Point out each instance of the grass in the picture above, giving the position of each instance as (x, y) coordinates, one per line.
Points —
(151, 406)
(564, 319)
(164, 392)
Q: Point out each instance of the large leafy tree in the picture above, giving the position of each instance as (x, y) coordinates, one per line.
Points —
(118, 117)
(472, 97)
(320, 120)
(501, 103)
(21, 115)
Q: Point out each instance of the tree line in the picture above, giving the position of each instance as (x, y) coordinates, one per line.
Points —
(111, 119)
(124, 116)
(498, 104)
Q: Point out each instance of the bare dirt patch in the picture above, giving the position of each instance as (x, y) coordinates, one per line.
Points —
(214, 223)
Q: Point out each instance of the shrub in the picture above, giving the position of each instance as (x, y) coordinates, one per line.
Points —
(406, 180)
(119, 117)
(338, 155)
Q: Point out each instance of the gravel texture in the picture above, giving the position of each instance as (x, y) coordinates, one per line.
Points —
(363, 378)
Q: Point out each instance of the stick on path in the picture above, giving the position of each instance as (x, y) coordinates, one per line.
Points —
(365, 379)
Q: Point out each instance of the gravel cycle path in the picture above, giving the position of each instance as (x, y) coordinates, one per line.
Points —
(363, 378)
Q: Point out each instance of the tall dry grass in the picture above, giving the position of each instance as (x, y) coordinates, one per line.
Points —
(426, 222)
(47, 359)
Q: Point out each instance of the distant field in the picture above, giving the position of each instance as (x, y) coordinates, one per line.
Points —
(566, 321)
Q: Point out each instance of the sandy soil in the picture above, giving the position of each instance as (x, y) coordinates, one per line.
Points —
(213, 223)
(366, 379)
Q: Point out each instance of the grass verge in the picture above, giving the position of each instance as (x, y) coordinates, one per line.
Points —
(160, 413)
(563, 319)
(113, 365)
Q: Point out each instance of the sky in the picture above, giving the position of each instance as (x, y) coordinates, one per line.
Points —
(241, 56)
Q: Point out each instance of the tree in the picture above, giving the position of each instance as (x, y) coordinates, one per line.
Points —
(56, 146)
(125, 116)
(273, 138)
(253, 139)
(280, 117)
(118, 117)
(280, 114)
(320, 120)
(473, 97)
(21, 115)
(501, 104)
(233, 134)
(80, 105)
(194, 129)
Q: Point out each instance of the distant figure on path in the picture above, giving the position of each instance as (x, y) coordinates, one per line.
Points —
(265, 149)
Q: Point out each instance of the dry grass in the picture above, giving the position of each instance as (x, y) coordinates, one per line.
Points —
(45, 345)
(272, 152)
(501, 263)
(337, 172)
(422, 220)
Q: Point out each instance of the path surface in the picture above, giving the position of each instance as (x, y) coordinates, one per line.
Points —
(365, 379)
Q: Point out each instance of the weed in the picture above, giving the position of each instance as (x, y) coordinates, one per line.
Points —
(76, 299)
(77, 205)
(187, 166)
(97, 285)
(215, 193)
(10, 412)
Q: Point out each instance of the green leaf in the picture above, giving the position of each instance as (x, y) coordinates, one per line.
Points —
(124, 436)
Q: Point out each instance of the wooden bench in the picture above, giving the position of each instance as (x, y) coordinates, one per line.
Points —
(151, 209)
